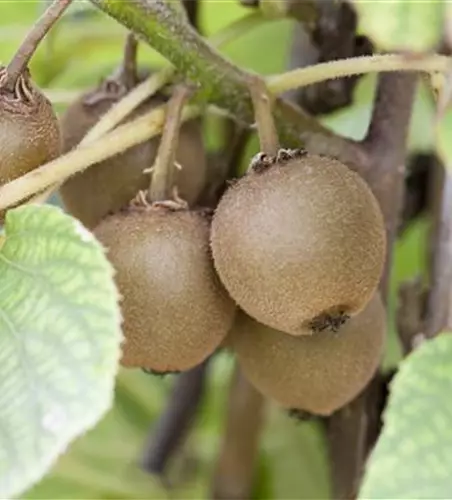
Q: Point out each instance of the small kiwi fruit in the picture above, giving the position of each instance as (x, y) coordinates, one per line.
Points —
(175, 311)
(299, 242)
(314, 373)
(105, 187)
(29, 130)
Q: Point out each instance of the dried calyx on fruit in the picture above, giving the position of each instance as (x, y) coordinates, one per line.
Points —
(317, 374)
(107, 186)
(175, 311)
(299, 241)
(29, 130)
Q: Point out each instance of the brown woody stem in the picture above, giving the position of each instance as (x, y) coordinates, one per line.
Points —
(236, 466)
(385, 148)
(20, 60)
(174, 423)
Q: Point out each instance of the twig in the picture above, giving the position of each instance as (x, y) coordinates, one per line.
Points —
(171, 428)
(346, 430)
(163, 170)
(28, 47)
(385, 147)
(355, 66)
(263, 107)
(439, 302)
(129, 66)
(410, 314)
(222, 83)
(236, 466)
(333, 37)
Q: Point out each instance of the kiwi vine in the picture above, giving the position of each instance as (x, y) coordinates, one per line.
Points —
(286, 267)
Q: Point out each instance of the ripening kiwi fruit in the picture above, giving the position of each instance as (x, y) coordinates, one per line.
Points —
(314, 373)
(29, 130)
(299, 242)
(175, 311)
(106, 187)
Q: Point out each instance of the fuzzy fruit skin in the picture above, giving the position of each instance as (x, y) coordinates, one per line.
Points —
(106, 187)
(315, 373)
(29, 131)
(176, 313)
(297, 240)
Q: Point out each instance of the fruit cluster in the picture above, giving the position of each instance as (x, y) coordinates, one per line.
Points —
(284, 271)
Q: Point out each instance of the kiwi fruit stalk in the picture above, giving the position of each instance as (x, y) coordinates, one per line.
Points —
(299, 241)
(107, 186)
(176, 312)
(319, 373)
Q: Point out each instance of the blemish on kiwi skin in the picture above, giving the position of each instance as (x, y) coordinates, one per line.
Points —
(156, 373)
(300, 415)
(329, 321)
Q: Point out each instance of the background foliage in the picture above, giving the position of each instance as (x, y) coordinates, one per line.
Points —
(103, 464)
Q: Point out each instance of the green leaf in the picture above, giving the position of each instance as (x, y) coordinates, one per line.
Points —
(402, 24)
(60, 340)
(413, 455)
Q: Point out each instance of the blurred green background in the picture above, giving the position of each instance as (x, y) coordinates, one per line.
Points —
(82, 49)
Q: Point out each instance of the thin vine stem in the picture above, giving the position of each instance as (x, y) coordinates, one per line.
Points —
(301, 77)
(163, 171)
(263, 106)
(28, 47)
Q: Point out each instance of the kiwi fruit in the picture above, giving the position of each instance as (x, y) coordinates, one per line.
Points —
(107, 186)
(175, 310)
(319, 373)
(29, 130)
(299, 242)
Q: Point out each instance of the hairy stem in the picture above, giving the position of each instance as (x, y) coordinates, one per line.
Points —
(172, 426)
(163, 170)
(222, 83)
(263, 107)
(236, 465)
(302, 77)
(28, 47)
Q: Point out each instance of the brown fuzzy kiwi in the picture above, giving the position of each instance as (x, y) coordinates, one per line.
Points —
(299, 242)
(315, 373)
(108, 186)
(176, 313)
(29, 130)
